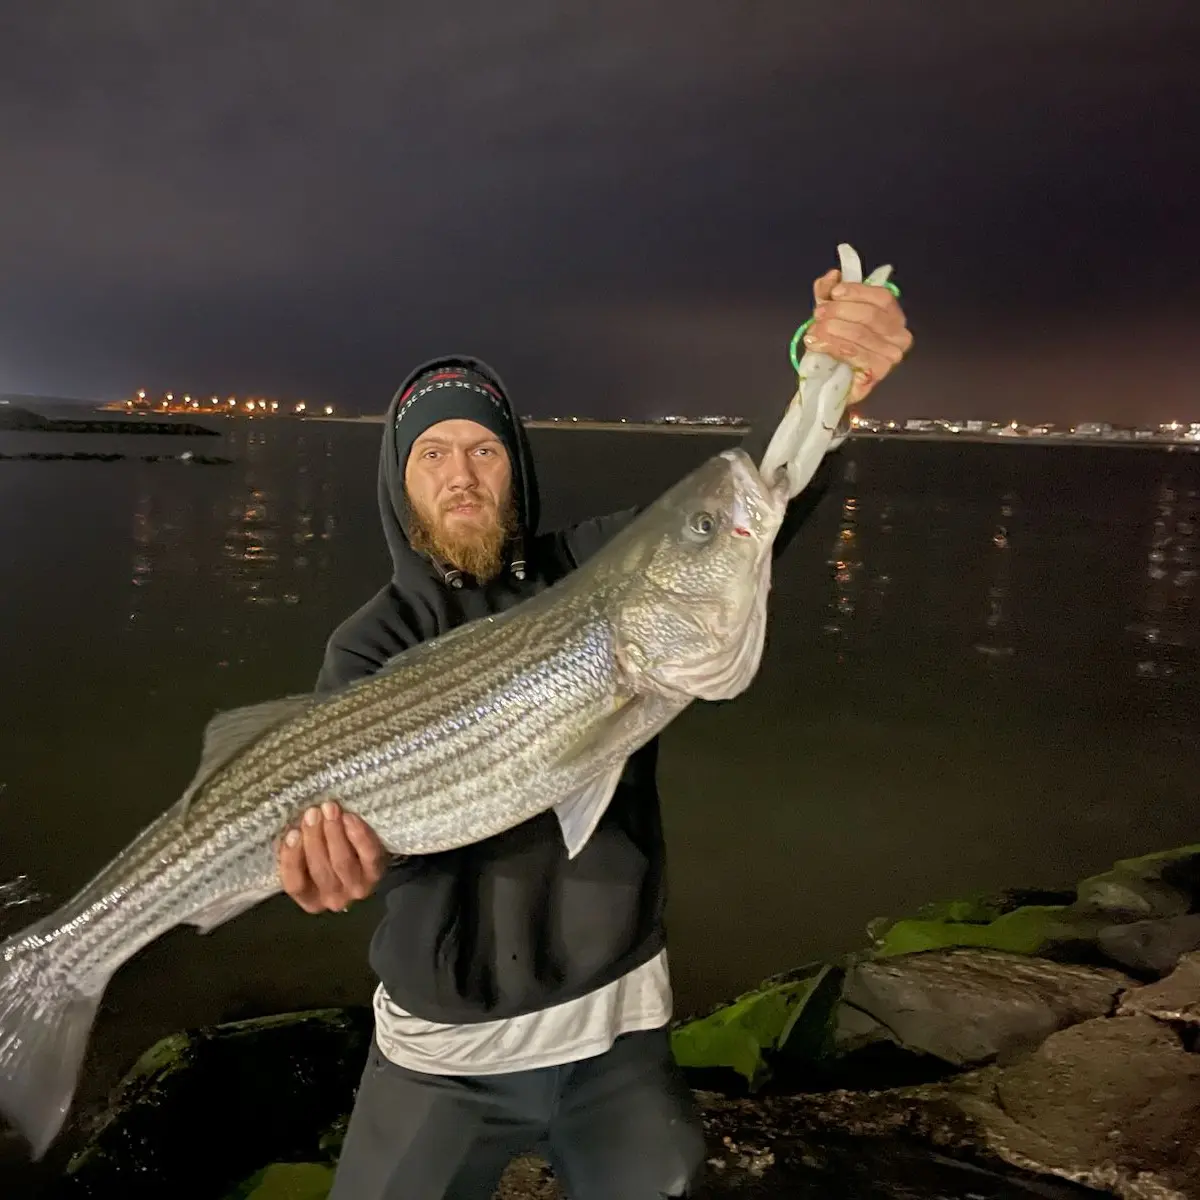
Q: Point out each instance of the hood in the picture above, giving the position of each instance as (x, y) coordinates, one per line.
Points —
(393, 504)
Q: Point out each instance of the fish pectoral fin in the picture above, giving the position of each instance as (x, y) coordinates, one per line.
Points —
(601, 756)
(228, 907)
(229, 733)
(579, 812)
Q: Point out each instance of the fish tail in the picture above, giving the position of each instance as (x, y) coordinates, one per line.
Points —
(45, 1022)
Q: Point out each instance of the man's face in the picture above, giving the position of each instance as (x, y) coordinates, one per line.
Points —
(459, 484)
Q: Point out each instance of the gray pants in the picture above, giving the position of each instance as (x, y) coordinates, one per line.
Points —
(620, 1126)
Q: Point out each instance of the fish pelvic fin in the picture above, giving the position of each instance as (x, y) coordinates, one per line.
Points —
(45, 1023)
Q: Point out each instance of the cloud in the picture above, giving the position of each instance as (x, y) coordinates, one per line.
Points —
(307, 194)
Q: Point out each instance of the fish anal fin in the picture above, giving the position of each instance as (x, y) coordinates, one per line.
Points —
(228, 907)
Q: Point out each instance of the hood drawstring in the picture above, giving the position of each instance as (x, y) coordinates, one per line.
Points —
(453, 577)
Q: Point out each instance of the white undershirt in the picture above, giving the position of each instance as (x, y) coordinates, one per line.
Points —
(565, 1033)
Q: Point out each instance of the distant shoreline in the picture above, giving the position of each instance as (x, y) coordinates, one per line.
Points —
(203, 423)
(736, 431)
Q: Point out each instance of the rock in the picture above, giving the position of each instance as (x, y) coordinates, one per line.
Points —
(1113, 1104)
(1151, 946)
(1153, 886)
(248, 1092)
(1031, 929)
(743, 1036)
(979, 909)
(1176, 998)
(804, 1148)
(971, 1006)
(1119, 894)
(287, 1181)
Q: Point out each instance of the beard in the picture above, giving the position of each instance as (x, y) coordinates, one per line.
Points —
(474, 546)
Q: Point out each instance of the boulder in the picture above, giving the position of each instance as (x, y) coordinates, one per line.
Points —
(216, 1104)
(1151, 947)
(745, 1036)
(1176, 998)
(1112, 1104)
(1153, 886)
(971, 1006)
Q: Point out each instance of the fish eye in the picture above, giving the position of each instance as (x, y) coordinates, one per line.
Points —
(702, 524)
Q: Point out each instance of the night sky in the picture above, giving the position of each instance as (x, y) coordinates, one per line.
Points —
(621, 205)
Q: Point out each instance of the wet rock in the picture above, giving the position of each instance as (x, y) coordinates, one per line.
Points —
(1153, 886)
(249, 1093)
(1119, 894)
(744, 1036)
(1152, 947)
(971, 1006)
(287, 1181)
(1113, 1104)
(1176, 998)
(1032, 929)
(817, 1148)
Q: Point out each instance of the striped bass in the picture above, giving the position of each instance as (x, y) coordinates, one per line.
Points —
(453, 741)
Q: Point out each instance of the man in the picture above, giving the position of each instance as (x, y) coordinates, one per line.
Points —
(524, 998)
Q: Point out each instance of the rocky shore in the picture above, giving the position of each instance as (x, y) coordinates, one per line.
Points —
(1029, 1044)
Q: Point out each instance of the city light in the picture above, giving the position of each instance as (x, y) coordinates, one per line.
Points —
(329, 410)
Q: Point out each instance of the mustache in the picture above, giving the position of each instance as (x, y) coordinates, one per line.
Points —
(467, 497)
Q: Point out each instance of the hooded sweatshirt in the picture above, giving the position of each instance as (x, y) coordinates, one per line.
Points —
(510, 925)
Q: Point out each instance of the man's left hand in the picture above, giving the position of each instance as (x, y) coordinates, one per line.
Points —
(860, 324)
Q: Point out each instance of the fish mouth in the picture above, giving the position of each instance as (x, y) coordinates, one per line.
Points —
(758, 507)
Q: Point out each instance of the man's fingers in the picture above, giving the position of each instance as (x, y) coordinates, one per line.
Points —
(372, 853)
(874, 294)
(846, 338)
(887, 319)
(316, 857)
(824, 286)
(343, 856)
(293, 873)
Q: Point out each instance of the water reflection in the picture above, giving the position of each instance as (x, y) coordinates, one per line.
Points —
(996, 645)
(258, 537)
(1166, 630)
(921, 561)
(846, 562)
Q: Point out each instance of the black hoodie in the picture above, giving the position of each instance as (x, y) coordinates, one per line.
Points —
(509, 925)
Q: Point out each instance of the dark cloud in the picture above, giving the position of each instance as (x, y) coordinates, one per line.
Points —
(302, 198)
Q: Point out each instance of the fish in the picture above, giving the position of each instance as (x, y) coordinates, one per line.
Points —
(453, 741)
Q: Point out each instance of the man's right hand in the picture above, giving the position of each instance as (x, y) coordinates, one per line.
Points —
(329, 859)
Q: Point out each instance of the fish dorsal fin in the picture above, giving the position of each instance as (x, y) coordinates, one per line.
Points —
(229, 733)
(579, 812)
(412, 654)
